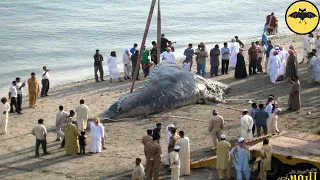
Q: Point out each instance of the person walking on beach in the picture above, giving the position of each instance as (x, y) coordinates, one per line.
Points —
(33, 88)
(98, 58)
(189, 53)
(154, 53)
(133, 50)
(253, 58)
(114, 72)
(71, 135)
(20, 85)
(45, 82)
(82, 112)
(239, 41)
(214, 60)
(134, 60)
(240, 71)
(225, 54)
(261, 55)
(40, 132)
(234, 50)
(13, 94)
(61, 119)
(308, 42)
(126, 60)
(216, 125)
(4, 110)
(97, 133)
(223, 158)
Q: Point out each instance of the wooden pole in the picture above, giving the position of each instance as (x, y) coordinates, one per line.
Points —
(158, 33)
(143, 43)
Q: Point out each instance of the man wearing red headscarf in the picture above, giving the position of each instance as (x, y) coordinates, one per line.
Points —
(271, 21)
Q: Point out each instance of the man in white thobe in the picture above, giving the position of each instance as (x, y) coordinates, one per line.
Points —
(4, 110)
(61, 119)
(273, 122)
(126, 60)
(138, 172)
(283, 55)
(169, 134)
(175, 163)
(167, 56)
(82, 112)
(184, 154)
(246, 125)
(234, 50)
(274, 66)
(308, 42)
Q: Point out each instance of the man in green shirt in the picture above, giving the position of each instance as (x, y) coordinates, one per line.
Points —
(145, 56)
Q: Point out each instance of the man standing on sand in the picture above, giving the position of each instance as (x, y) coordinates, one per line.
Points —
(175, 163)
(82, 112)
(167, 56)
(261, 50)
(40, 132)
(153, 154)
(33, 88)
(308, 42)
(156, 134)
(269, 48)
(61, 119)
(238, 41)
(138, 172)
(126, 64)
(294, 102)
(169, 134)
(153, 53)
(261, 117)
(4, 110)
(225, 51)
(13, 94)
(253, 58)
(214, 60)
(274, 66)
(216, 125)
(134, 60)
(240, 71)
(234, 50)
(133, 50)
(241, 155)
(145, 140)
(223, 158)
(273, 122)
(71, 135)
(98, 58)
(184, 154)
(246, 125)
(189, 53)
(173, 140)
(265, 162)
(45, 82)
(19, 87)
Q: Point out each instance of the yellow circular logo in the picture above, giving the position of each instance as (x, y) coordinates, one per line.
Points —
(302, 17)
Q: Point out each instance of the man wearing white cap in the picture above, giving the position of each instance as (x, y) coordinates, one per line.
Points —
(168, 131)
(223, 158)
(175, 163)
(273, 121)
(246, 125)
(240, 155)
(216, 125)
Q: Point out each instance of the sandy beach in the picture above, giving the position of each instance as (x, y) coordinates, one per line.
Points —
(123, 144)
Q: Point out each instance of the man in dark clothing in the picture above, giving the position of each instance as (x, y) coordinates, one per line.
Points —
(153, 53)
(269, 48)
(164, 43)
(238, 41)
(214, 60)
(253, 58)
(98, 58)
(156, 134)
(134, 59)
(240, 71)
(133, 50)
(261, 117)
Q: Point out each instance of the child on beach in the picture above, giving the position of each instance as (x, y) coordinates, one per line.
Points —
(82, 142)
(186, 65)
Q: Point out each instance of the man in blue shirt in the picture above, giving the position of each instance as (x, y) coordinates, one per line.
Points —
(240, 155)
(270, 47)
(225, 52)
(132, 50)
(189, 53)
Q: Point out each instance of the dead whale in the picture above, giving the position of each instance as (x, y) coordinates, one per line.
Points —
(169, 86)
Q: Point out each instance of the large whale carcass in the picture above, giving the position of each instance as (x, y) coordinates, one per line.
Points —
(169, 86)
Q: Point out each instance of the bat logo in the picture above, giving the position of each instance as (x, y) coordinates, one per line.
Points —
(302, 17)
(302, 14)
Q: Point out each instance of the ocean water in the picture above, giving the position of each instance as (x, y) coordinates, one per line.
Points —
(63, 35)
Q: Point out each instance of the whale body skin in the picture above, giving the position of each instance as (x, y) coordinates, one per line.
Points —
(169, 87)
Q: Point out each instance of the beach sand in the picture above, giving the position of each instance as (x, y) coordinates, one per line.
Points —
(123, 143)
